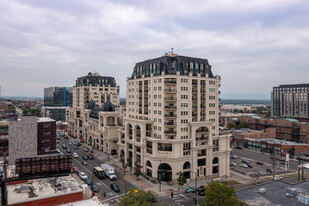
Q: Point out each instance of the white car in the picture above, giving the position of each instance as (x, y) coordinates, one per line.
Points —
(244, 165)
(277, 177)
(83, 175)
(58, 150)
(75, 155)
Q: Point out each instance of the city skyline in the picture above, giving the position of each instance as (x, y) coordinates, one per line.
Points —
(259, 44)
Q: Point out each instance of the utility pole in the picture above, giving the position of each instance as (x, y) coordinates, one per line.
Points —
(273, 162)
(195, 195)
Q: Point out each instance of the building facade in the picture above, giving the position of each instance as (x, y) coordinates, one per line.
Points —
(58, 96)
(55, 113)
(94, 116)
(46, 136)
(172, 120)
(290, 101)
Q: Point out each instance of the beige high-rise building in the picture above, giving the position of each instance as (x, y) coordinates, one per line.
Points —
(94, 115)
(172, 120)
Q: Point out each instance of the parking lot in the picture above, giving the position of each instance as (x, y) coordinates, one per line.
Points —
(255, 169)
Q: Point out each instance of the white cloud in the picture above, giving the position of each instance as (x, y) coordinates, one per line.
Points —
(258, 44)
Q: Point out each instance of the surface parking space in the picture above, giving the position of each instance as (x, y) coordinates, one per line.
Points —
(256, 168)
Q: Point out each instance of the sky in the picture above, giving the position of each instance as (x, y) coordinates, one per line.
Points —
(253, 45)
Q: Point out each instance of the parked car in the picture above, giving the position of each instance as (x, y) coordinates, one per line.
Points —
(232, 156)
(90, 157)
(277, 177)
(75, 155)
(70, 143)
(58, 150)
(201, 190)
(269, 170)
(233, 164)
(75, 169)
(237, 147)
(253, 173)
(86, 149)
(115, 187)
(260, 172)
(84, 162)
(259, 163)
(85, 157)
(249, 165)
(95, 188)
(244, 165)
(61, 153)
(88, 181)
(75, 147)
(66, 137)
(245, 161)
(58, 137)
(68, 150)
(83, 175)
(64, 146)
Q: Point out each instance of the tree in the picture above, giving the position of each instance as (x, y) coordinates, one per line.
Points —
(218, 194)
(138, 197)
(292, 151)
(231, 125)
(137, 172)
(181, 180)
(243, 125)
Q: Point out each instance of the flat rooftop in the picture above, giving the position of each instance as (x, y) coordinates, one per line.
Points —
(91, 202)
(276, 141)
(41, 189)
(275, 195)
(45, 119)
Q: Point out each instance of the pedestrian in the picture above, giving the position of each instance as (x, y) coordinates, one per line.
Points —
(104, 194)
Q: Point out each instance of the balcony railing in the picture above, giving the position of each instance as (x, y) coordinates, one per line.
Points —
(170, 99)
(170, 132)
(170, 82)
(171, 123)
(170, 90)
(170, 115)
(170, 107)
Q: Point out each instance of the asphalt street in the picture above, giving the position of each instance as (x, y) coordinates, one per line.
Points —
(258, 156)
(104, 185)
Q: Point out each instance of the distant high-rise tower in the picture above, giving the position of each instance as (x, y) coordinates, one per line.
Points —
(58, 96)
(290, 101)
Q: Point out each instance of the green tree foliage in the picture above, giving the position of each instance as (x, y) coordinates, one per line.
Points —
(138, 198)
(11, 107)
(218, 194)
(181, 179)
(292, 151)
(32, 112)
(137, 172)
(231, 125)
(243, 125)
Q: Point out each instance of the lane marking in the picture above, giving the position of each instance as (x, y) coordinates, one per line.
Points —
(183, 196)
(91, 173)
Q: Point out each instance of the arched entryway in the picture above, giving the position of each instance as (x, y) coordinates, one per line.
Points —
(186, 169)
(130, 131)
(215, 165)
(165, 172)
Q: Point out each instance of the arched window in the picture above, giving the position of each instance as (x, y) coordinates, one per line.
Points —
(148, 163)
(186, 165)
(215, 160)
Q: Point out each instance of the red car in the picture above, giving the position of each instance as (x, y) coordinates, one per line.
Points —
(75, 169)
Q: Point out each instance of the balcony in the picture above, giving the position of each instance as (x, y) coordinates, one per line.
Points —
(170, 107)
(170, 132)
(203, 91)
(170, 115)
(170, 90)
(149, 151)
(194, 98)
(170, 123)
(170, 81)
(170, 99)
(194, 90)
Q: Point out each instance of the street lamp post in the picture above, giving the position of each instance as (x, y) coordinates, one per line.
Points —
(92, 193)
